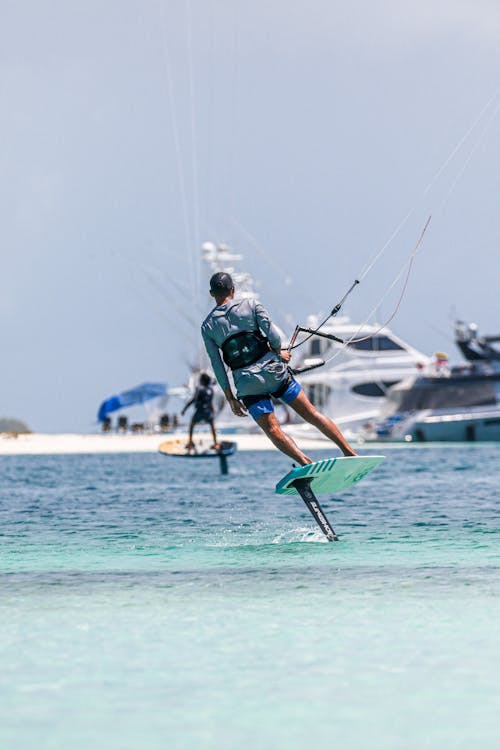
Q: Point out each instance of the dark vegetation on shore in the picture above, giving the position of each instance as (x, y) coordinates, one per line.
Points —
(13, 426)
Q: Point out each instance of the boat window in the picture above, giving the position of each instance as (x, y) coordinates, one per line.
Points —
(445, 393)
(372, 389)
(376, 344)
(318, 394)
(315, 347)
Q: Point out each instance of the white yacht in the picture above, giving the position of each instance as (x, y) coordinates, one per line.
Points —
(345, 369)
(359, 368)
(352, 384)
(457, 403)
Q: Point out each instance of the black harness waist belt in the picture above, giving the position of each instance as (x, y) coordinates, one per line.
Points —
(251, 400)
(244, 348)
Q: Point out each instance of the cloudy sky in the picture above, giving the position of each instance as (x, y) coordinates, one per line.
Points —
(301, 132)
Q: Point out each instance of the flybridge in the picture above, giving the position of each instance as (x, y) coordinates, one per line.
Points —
(222, 258)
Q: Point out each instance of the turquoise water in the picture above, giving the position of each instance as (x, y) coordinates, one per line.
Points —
(148, 602)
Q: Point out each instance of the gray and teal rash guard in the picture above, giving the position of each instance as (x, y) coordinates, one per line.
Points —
(264, 376)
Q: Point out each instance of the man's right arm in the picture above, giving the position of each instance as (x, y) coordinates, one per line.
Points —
(236, 406)
(216, 361)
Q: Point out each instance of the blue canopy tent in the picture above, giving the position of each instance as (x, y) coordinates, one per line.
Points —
(138, 395)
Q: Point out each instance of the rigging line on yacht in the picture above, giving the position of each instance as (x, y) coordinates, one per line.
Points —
(194, 154)
(209, 130)
(153, 275)
(233, 124)
(257, 246)
(177, 146)
(155, 282)
(266, 256)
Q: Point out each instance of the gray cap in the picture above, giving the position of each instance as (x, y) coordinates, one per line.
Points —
(221, 282)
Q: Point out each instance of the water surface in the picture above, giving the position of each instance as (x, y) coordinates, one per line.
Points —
(149, 601)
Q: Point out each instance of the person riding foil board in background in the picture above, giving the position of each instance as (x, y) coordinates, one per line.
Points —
(251, 347)
(204, 409)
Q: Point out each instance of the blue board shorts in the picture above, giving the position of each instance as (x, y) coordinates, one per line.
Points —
(262, 404)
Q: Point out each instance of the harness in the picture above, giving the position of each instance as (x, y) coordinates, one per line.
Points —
(244, 348)
(251, 400)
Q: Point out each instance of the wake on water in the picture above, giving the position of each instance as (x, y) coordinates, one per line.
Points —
(302, 534)
(292, 536)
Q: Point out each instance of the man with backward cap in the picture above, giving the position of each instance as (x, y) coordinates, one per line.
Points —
(243, 333)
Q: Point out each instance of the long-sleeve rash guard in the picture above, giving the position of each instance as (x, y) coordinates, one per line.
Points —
(265, 375)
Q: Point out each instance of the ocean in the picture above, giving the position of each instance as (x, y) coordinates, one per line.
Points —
(149, 602)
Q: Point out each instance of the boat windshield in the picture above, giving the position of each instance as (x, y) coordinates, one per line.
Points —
(440, 393)
(376, 344)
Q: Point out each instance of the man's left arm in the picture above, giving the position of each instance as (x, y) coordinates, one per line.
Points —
(270, 331)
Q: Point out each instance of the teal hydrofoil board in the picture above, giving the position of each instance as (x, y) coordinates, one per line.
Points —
(178, 449)
(330, 474)
(326, 476)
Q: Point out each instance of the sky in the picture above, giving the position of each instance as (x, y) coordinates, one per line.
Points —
(305, 133)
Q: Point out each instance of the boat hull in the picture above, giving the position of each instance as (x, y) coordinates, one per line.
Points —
(467, 426)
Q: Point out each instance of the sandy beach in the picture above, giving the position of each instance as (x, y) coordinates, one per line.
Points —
(46, 444)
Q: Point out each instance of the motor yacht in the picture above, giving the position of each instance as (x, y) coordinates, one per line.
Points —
(448, 403)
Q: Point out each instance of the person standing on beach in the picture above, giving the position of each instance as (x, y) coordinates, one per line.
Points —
(250, 344)
(204, 409)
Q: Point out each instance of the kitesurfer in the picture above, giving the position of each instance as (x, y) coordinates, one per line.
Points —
(204, 409)
(250, 344)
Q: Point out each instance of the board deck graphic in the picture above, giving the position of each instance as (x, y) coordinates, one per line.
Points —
(330, 474)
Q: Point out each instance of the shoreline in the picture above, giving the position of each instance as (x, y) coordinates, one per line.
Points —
(74, 443)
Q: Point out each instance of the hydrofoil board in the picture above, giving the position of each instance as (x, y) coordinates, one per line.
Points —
(330, 474)
(178, 449)
(325, 476)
